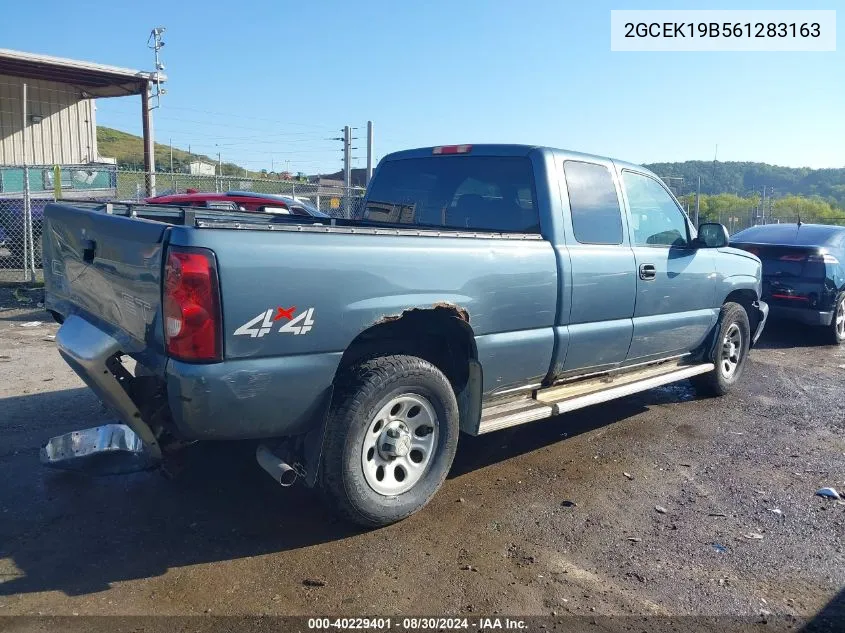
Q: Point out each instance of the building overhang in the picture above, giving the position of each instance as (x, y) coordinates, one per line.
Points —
(93, 80)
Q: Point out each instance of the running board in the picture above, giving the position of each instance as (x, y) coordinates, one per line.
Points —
(556, 400)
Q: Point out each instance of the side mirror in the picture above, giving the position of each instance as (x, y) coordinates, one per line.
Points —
(712, 235)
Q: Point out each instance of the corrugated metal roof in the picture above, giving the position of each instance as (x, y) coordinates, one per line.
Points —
(97, 80)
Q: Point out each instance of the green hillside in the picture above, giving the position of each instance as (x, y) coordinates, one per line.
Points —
(128, 150)
(746, 179)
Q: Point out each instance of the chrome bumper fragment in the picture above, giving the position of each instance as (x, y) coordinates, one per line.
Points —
(103, 450)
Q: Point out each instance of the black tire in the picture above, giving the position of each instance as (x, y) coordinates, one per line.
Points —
(836, 329)
(362, 393)
(733, 320)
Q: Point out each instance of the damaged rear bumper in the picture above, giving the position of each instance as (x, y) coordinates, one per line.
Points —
(92, 354)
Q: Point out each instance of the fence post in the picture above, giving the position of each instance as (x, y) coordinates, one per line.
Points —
(31, 233)
(57, 182)
(293, 190)
(27, 226)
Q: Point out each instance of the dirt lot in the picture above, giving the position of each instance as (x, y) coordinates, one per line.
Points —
(534, 520)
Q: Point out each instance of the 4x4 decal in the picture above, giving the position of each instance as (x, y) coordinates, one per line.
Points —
(266, 321)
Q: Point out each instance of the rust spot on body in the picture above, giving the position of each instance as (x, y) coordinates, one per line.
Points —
(454, 310)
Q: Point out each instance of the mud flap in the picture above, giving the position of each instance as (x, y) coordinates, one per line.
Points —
(762, 314)
(312, 444)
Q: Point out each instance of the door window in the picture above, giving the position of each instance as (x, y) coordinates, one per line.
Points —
(656, 219)
(594, 207)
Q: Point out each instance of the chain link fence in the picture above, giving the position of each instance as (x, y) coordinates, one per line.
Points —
(25, 191)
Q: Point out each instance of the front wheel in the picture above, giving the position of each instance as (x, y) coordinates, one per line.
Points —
(733, 338)
(390, 439)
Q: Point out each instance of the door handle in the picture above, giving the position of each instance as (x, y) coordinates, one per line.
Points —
(647, 271)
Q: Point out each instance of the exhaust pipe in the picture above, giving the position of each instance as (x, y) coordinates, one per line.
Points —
(280, 471)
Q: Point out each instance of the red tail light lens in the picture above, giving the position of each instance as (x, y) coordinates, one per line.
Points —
(823, 259)
(192, 320)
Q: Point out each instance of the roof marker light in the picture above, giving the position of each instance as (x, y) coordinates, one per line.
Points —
(452, 149)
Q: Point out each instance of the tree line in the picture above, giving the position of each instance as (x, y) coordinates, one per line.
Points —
(733, 210)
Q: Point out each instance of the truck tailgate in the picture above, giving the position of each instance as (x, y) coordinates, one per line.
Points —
(107, 268)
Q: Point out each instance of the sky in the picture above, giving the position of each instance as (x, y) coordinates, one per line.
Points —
(268, 84)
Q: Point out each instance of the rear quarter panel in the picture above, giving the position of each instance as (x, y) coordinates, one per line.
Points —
(350, 282)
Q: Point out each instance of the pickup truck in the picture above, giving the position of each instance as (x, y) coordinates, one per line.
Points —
(483, 287)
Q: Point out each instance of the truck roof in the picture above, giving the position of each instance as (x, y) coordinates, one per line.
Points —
(508, 149)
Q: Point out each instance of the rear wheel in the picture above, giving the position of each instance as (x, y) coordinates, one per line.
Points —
(733, 338)
(390, 439)
(836, 331)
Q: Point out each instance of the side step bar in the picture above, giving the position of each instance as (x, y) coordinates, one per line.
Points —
(560, 399)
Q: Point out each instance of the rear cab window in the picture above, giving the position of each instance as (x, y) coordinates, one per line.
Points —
(593, 203)
(484, 193)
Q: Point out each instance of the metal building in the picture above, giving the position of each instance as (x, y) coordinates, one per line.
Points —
(47, 110)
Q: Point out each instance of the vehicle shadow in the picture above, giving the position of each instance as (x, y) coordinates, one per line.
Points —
(35, 315)
(831, 617)
(477, 452)
(788, 335)
(78, 534)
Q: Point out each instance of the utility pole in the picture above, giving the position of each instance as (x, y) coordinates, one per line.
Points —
(219, 164)
(149, 143)
(347, 156)
(171, 154)
(152, 90)
(347, 168)
(715, 155)
(369, 152)
(697, 201)
(347, 139)
(155, 42)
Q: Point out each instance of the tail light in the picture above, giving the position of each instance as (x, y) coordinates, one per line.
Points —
(192, 319)
(823, 259)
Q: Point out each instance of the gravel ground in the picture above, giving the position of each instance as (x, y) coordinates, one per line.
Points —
(555, 517)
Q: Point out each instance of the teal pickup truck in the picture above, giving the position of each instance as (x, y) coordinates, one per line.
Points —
(483, 286)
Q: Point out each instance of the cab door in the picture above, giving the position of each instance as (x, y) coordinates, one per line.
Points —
(598, 260)
(676, 282)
